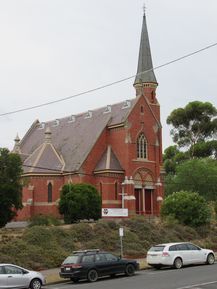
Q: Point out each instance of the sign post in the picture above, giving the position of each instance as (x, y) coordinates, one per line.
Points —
(121, 234)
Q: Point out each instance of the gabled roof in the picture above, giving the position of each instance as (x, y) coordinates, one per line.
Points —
(108, 162)
(73, 137)
(145, 59)
(45, 159)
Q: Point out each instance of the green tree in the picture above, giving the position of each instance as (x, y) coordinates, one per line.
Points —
(195, 124)
(78, 202)
(205, 149)
(196, 175)
(188, 208)
(10, 185)
(172, 157)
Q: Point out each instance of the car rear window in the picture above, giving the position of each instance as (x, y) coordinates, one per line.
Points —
(88, 259)
(71, 259)
(173, 248)
(157, 248)
(182, 247)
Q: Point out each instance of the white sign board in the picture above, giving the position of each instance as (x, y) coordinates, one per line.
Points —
(121, 232)
(114, 212)
(129, 198)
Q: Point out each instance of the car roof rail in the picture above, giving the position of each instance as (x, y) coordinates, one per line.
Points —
(86, 251)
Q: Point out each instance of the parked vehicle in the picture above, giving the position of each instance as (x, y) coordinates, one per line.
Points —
(12, 276)
(178, 254)
(92, 264)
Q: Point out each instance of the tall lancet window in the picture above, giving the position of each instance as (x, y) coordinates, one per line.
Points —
(141, 147)
(49, 192)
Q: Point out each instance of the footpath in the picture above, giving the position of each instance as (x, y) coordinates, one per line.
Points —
(52, 275)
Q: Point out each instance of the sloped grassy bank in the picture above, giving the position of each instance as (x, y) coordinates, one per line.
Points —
(43, 247)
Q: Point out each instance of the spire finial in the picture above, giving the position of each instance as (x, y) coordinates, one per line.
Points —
(144, 8)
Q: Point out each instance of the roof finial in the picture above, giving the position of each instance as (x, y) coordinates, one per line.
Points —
(48, 135)
(17, 144)
(144, 8)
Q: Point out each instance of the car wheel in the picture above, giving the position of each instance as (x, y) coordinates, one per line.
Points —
(210, 259)
(92, 275)
(35, 284)
(177, 263)
(130, 270)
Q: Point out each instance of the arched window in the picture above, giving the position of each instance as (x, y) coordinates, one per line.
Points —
(49, 192)
(141, 147)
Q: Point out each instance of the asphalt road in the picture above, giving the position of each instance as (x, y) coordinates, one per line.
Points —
(195, 277)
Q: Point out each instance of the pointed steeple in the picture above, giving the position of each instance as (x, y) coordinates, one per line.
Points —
(145, 74)
(17, 144)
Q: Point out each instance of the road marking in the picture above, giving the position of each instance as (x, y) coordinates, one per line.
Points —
(195, 286)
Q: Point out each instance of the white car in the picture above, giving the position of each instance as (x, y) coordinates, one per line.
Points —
(12, 276)
(178, 254)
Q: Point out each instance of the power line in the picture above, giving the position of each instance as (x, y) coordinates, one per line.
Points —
(109, 84)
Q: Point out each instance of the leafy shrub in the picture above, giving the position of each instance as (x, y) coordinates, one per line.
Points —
(188, 208)
(44, 220)
(79, 202)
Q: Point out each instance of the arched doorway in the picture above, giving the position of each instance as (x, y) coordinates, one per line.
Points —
(144, 187)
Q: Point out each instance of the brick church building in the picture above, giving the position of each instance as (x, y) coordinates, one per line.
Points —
(117, 148)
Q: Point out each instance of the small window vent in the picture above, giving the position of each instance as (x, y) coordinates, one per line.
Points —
(88, 114)
(71, 118)
(127, 104)
(56, 122)
(41, 125)
(108, 109)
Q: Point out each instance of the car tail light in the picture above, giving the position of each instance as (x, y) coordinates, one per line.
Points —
(76, 266)
(165, 254)
(73, 266)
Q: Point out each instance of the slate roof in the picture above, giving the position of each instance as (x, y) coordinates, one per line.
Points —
(145, 59)
(72, 137)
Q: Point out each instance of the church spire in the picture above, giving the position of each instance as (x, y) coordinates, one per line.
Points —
(145, 60)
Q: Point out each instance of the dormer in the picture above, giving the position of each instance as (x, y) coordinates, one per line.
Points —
(108, 109)
(41, 125)
(56, 122)
(127, 104)
(71, 118)
(89, 114)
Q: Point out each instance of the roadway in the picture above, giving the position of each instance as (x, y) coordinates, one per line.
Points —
(195, 277)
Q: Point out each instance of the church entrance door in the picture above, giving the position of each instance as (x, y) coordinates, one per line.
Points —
(148, 201)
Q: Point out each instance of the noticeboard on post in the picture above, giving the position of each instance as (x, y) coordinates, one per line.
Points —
(114, 212)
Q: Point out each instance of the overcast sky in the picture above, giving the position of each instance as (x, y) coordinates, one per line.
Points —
(51, 49)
